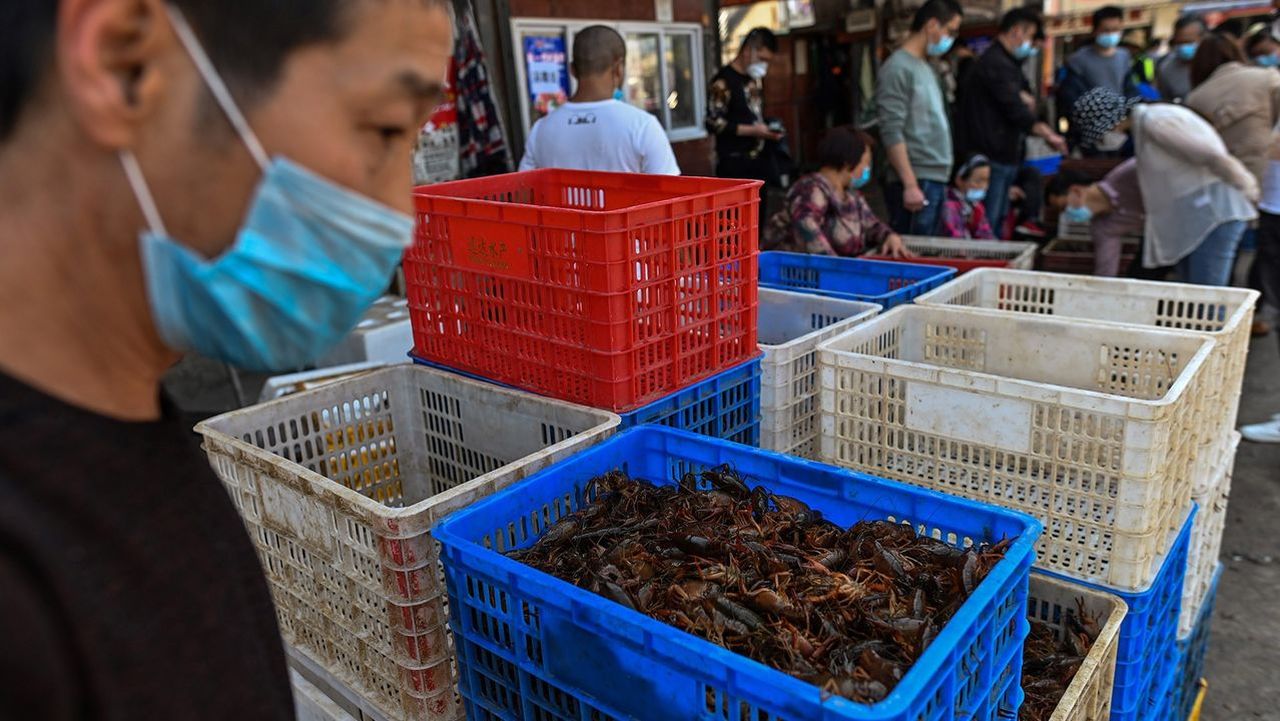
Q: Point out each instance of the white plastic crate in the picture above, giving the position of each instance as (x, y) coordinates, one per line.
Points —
(312, 704)
(1224, 313)
(288, 384)
(1017, 254)
(1091, 428)
(1049, 600)
(339, 486)
(383, 335)
(791, 326)
(1206, 539)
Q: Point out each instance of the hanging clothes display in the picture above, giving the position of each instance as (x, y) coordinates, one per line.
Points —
(482, 142)
(436, 158)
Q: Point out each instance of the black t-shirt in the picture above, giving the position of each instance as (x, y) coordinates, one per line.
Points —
(129, 588)
(734, 99)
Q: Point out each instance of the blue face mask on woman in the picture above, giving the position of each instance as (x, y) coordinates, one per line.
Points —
(861, 181)
(310, 257)
(975, 195)
(1268, 61)
(1080, 214)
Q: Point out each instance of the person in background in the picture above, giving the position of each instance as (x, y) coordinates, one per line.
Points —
(963, 213)
(1103, 63)
(735, 109)
(1232, 29)
(994, 117)
(1197, 196)
(231, 179)
(1241, 101)
(1144, 71)
(912, 116)
(1173, 74)
(1112, 207)
(1263, 50)
(1265, 273)
(596, 129)
(826, 214)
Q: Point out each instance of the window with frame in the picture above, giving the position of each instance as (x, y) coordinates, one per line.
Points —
(664, 67)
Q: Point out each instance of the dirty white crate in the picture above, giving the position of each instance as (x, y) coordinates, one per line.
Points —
(1017, 254)
(1091, 428)
(290, 383)
(791, 326)
(384, 334)
(1224, 313)
(1206, 539)
(1049, 601)
(339, 486)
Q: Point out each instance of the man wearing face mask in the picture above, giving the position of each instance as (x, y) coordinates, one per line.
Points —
(735, 109)
(993, 117)
(229, 178)
(1173, 74)
(596, 129)
(1103, 63)
(912, 116)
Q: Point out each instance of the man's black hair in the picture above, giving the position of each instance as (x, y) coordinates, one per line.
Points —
(596, 49)
(1102, 14)
(761, 39)
(1019, 16)
(1256, 39)
(941, 10)
(1064, 181)
(248, 41)
(1187, 21)
(1233, 27)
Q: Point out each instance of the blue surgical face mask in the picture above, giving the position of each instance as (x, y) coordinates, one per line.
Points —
(941, 47)
(861, 181)
(1081, 214)
(1024, 51)
(618, 94)
(1108, 40)
(1268, 61)
(975, 195)
(309, 258)
(1186, 51)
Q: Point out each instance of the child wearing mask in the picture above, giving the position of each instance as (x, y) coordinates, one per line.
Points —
(964, 214)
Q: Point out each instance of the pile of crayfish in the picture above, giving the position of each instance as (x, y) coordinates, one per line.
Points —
(765, 576)
(1049, 663)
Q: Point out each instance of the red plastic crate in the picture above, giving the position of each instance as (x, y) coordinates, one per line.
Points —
(606, 289)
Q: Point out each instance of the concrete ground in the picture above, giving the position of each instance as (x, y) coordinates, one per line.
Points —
(1243, 666)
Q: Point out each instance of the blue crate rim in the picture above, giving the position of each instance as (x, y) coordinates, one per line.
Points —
(921, 273)
(895, 702)
(718, 375)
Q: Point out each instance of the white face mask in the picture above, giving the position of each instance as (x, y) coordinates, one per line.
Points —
(758, 70)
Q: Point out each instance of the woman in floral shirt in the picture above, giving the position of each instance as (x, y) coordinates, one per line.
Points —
(825, 213)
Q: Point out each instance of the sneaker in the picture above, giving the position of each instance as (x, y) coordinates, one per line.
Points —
(1030, 228)
(1268, 432)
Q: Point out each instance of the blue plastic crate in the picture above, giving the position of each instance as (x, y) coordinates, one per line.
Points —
(1192, 651)
(534, 647)
(726, 405)
(1149, 633)
(874, 281)
(1048, 165)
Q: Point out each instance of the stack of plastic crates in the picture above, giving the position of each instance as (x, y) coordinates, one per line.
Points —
(1211, 494)
(966, 255)
(1225, 314)
(339, 487)
(871, 281)
(1092, 428)
(534, 647)
(606, 289)
(791, 327)
(631, 293)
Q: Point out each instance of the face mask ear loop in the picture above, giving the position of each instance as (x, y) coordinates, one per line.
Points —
(143, 194)
(217, 87)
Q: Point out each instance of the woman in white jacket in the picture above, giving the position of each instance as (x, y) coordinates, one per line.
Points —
(1198, 197)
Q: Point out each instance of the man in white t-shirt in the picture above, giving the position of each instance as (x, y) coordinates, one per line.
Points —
(595, 130)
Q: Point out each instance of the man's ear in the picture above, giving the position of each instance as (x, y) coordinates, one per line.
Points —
(108, 55)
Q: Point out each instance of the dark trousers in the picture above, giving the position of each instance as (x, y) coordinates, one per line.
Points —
(749, 168)
(1264, 274)
(926, 221)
